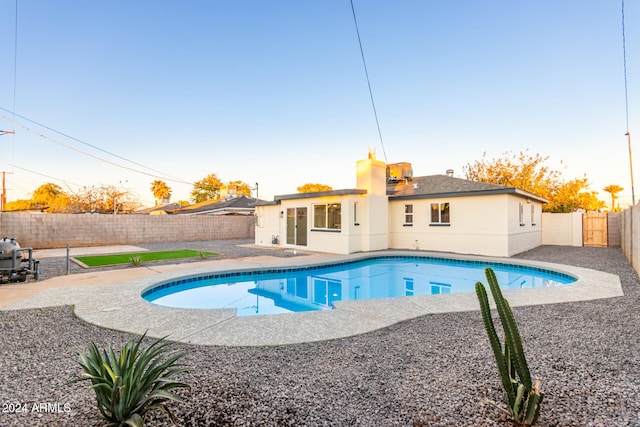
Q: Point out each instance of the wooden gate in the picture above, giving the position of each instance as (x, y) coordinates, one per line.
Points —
(594, 229)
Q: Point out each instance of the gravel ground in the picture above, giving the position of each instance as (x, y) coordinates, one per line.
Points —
(435, 370)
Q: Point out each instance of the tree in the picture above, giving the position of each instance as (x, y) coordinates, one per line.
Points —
(48, 197)
(104, 199)
(52, 196)
(18, 205)
(312, 188)
(613, 190)
(160, 191)
(239, 188)
(208, 188)
(529, 173)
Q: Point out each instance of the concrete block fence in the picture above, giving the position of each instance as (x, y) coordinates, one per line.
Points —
(48, 231)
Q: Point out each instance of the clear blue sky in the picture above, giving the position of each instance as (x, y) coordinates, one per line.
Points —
(274, 92)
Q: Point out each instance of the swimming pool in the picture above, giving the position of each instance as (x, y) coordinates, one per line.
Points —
(313, 288)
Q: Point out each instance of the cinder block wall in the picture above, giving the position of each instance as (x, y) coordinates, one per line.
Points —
(46, 231)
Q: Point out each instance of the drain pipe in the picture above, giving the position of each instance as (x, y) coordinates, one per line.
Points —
(67, 258)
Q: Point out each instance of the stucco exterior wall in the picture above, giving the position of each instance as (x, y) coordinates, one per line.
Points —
(525, 231)
(267, 221)
(371, 174)
(272, 221)
(44, 231)
(487, 225)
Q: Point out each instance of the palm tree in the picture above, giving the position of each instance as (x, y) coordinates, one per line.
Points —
(613, 189)
(160, 190)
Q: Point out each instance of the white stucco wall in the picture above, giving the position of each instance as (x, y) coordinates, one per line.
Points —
(526, 234)
(348, 239)
(487, 225)
(267, 225)
(371, 174)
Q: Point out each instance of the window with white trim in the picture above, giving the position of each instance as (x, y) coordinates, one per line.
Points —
(408, 214)
(533, 215)
(355, 214)
(521, 213)
(440, 213)
(327, 216)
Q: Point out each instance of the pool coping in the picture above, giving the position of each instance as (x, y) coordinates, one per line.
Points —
(120, 306)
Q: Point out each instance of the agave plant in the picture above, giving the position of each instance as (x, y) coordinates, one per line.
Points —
(133, 382)
(136, 261)
(523, 397)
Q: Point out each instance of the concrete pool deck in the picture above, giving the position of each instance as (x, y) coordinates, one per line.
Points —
(111, 299)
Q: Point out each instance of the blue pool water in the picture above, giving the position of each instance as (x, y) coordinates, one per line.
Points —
(318, 287)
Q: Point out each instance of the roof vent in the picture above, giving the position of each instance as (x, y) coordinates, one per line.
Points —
(449, 172)
(415, 186)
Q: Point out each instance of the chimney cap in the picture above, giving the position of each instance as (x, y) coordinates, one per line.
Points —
(449, 172)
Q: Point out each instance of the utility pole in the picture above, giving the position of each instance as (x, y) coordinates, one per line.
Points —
(3, 199)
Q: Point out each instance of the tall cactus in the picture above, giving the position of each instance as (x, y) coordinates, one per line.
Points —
(523, 397)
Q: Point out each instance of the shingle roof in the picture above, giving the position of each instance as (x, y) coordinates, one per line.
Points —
(432, 186)
(320, 194)
(241, 202)
(169, 207)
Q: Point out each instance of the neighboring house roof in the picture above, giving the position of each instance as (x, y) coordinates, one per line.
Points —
(158, 209)
(435, 186)
(320, 194)
(277, 199)
(238, 205)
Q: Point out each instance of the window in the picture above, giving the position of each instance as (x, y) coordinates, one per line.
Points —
(408, 214)
(521, 213)
(355, 214)
(533, 215)
(327, 217)
(440, 213)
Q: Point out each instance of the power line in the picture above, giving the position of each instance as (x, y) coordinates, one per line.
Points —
(92, 146)
(89, 154)
(366, 73)
(41, 174)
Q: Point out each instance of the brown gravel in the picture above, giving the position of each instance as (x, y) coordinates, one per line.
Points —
(435, 370)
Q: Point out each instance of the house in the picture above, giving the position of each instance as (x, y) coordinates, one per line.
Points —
(391, 209)
(242, 205)
(159, 209)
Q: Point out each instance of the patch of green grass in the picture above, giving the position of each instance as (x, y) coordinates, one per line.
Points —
(104, 260)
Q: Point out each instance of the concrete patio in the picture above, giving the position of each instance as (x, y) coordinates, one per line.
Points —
(111, 299)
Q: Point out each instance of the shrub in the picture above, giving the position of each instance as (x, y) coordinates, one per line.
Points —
(136, 261)
(523, 398)
(134, 382)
